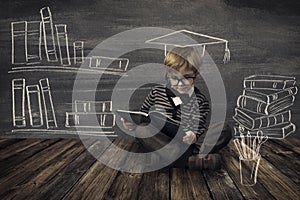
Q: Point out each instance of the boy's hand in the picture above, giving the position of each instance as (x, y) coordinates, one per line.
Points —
(189, 138)
(127, 125)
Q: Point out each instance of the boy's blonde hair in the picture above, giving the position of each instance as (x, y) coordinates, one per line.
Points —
(184, 57)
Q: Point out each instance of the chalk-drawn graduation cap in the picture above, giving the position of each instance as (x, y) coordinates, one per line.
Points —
(185, 38)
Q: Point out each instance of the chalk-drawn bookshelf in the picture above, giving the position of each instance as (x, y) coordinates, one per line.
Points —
(43, 46)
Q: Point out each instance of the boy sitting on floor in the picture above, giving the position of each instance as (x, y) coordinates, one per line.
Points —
(181, 101)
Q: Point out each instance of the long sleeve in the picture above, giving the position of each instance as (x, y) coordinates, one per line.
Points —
(195, 114)
(148, 102)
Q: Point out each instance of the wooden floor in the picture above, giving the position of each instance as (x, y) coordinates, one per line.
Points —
(64, 169)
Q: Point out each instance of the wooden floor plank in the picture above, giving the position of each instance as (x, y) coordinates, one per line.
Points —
(124, 187)
(231, 164)
(285, 152)
(18, 147)
(31, 166)
(10, 163)
(6, 142)
(63, 169)
(293, 141)
(278, 184)
(53, 168)
(187, 184)
(292, 144)
(126, 184)
(287, 162)
(98, 179)
(155, 185)
(58, 186)
(221, 185)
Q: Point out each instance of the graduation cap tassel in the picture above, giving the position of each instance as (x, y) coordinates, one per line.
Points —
(226, 54)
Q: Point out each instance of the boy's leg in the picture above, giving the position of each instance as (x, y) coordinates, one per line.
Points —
(152, 143)
(222, 141)
(208, 157)
(161, 140)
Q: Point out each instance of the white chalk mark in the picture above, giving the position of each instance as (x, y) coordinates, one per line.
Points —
(101, 62)
(64, 69)
(276, 132)
(93, 106)
(264, 104)
(90, 120)
(34, 105)
(18, 42)
(48, 34)
(48, 103)
(79, 132)
(180, 39)
(34, 42)
(78, 51)
(63, 45)
(269, 82)
(18, 102)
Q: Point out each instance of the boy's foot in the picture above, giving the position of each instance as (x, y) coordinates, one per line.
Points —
(209, 162)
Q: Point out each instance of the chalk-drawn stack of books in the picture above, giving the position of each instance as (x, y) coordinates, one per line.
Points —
(265, 106)
(91, 114)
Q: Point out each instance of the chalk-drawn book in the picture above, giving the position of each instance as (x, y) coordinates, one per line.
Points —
(269, 96)
(90, 120)
(256, 105)
(157, 119)
(18, 102)
(34, 105)
(276, 132)
(269, 82)
(50, 117)
(252, 120)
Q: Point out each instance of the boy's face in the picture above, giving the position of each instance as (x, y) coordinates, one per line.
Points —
(182, 80)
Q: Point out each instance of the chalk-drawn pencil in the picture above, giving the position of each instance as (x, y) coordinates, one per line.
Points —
(243, 144)
(254, 147)
(238, 147)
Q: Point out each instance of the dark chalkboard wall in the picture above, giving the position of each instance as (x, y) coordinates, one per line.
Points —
(263, 39)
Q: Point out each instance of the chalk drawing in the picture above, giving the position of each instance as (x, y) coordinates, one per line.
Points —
(182, 38)
(34, 105)
(48, 103)
(48, 34)
(18, 102)
(63, 45)
(78, 51)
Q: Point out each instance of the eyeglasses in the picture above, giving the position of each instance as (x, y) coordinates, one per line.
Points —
(186, 80)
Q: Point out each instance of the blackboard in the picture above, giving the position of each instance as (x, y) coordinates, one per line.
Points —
(263, 40)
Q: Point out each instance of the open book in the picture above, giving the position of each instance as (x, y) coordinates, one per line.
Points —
(160, 121)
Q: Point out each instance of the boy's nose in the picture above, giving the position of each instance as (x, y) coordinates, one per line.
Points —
(180, 82)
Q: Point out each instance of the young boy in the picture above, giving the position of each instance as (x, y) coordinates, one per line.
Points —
(181, 101)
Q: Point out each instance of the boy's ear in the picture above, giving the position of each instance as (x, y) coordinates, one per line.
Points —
(197, 74)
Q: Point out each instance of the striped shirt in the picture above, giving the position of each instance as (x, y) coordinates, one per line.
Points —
(192, 113)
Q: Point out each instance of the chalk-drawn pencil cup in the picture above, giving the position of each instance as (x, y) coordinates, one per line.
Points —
(249, 169)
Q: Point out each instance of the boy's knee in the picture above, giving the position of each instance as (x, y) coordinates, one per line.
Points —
(226, 135)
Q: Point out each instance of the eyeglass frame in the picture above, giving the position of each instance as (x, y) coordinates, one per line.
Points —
(185, 77)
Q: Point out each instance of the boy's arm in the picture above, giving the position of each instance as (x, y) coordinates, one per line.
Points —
(198, 122)
(148, 102)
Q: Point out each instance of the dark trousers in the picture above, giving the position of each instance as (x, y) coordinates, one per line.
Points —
(178, 150)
